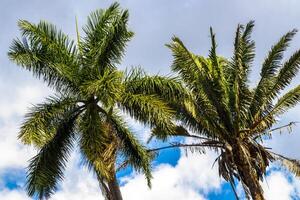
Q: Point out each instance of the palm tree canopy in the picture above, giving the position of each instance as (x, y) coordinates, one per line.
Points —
(226, 113)
(91, 95)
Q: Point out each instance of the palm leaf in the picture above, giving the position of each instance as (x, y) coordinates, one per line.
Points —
(268, 73)
(292, 165)
(135, 154)
(48, 53)
(97, 144)
(106, 37)
(46, 168)
(148, 109)
(168, 88)
(41, 122)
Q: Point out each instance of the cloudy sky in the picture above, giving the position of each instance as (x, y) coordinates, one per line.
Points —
(176, 176)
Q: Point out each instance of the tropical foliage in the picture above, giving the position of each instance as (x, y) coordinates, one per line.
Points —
(226, 115)
(91, 100)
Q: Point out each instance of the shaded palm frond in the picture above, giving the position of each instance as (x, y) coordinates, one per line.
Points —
(46, 168)
(135, 154)
(97, 143)
(108, 87)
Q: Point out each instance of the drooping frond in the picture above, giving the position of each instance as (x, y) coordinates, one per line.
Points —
(136, 154)
(41, 122)
(292, 165)
(46, 168)
(106, 38)
(47, 53)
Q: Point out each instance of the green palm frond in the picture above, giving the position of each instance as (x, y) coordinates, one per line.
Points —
(167, 88)
(106, 87)
(41, 122)
(238, 72)
(136, 154)
(285, 75)
(48, 53)
(46, 168)
(268, 73)
(148, 109)
(287, 101)
(185, 63)
(196, 69)
(106, 37)
(96, 143)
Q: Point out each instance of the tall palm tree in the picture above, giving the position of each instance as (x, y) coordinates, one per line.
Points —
(91, 98)
(226, 115)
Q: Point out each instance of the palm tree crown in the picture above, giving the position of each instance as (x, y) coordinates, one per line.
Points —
(91, 95)
(229, 116)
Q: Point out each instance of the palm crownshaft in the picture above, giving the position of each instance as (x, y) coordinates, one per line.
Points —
(91, 95)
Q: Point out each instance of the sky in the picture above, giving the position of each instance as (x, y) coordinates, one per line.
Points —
(177, 174)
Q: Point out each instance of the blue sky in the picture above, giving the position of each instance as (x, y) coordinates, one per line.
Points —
(154, 23)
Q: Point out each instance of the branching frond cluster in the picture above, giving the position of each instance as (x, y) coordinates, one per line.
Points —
(233, 117)
(91, 93)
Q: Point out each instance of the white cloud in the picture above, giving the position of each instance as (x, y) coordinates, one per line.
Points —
(11, 109)
(19, 101)
(277, 187)
(78, 184)
(183, 181)
(191, 179)
(13, 195)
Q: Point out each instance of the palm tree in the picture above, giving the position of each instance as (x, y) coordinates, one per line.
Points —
(226, 115)
(91, 98)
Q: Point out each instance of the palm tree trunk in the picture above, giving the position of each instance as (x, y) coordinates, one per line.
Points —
(247, 173)
(114, 189)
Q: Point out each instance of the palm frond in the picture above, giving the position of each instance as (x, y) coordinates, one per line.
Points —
(185, 63)
(106, 37)
(41, 122)
(285, 75)
(268, 72)
(292, 165)
(167, 88)
(287, 101)
(46, 168)
(197, 73)
(47, 53)
(238, 72)
(97, 144)
(107, 87)
(136, 154)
